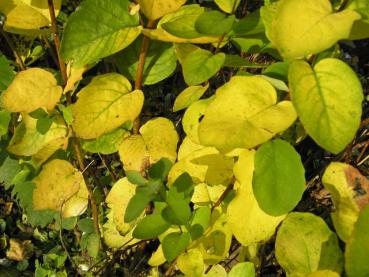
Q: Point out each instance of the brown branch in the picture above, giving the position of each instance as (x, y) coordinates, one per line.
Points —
(18, 59)
(343, 5)
(54, 28)
(170, 269)
(140, 68)
(75, 143)
(224, 195)
(114, 176)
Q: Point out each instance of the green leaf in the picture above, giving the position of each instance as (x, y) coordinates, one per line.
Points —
(246, 269)
(105, 104)
(305, 244)
(136, 205)
(237, 61)
(228, 6)
(182, 188)
(279, 177)
(86, 225)
(357, 248)
(136, 178)
(328, 100)
(6, 73)
(200, 222)
(107, 143)
(43, 124)
(255, 119)
(303, 28)
(175, 244)
(200, 65)
(67, 113)
(214, 23)
(278, 70)
(189, 96)
(8, 170)
(150, 227)
(38, 114)
(86, 40)
(160, 62)
(93, 245)
(253, 44)
(178, 211)
(160, 169)
(5, 118)
(251, 24)
(183, 24)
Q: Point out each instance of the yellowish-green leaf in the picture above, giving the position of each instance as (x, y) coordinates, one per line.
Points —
(228, 6)
(27, 16)
(305, 244)
(204, 195)
(186, 16)
(328, 100)
(357, 247)
(31, 89)
(206, 165)
(254, 120)
(60, 187)
(216, 271)
(117, 200)
(105, 104)
(342, 180)
(188, 96)
(74, 76)
(191, 263)
(248, 222)
(324, 273)
(187, 147)
(154, 9)
(87, 40)
(27, 141)
(302, 28)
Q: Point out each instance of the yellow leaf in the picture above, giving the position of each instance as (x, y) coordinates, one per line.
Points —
(154, 9)
(206, 165)
(27, 16)
(112, 237)
(161, 139)
(324, 273)
(192, 116)
(188, 96)
(105, 104)
(56, 186)
(31, 89)
(19, 250)
(205, 195)
(117, 200)
(158, 140)
(302, 28)
(27, 141)
(157, 258)
(191, 263)
(74, 75)
(216, 271)
(187, 147)
(161, 34)
(248, 222)
(341, 180)
(255, 118)
(134, 154)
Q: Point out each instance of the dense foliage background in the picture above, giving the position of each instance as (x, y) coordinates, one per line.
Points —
(218, 190)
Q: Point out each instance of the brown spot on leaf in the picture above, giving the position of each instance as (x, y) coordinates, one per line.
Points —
(360, 185)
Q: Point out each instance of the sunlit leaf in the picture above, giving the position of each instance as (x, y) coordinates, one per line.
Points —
(305, 244)
(31, 89)
(328, 100)
(154, 9)
(191, 263)
(86, 40)
(254, 120)
(105, 104)
(188, 96)
(302, 28)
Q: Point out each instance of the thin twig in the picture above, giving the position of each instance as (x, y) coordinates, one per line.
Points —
(224, 195)
(140, 68)
(54, 28)
(109, 168)
(170, 268)
(343, 5)
(18, 59)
